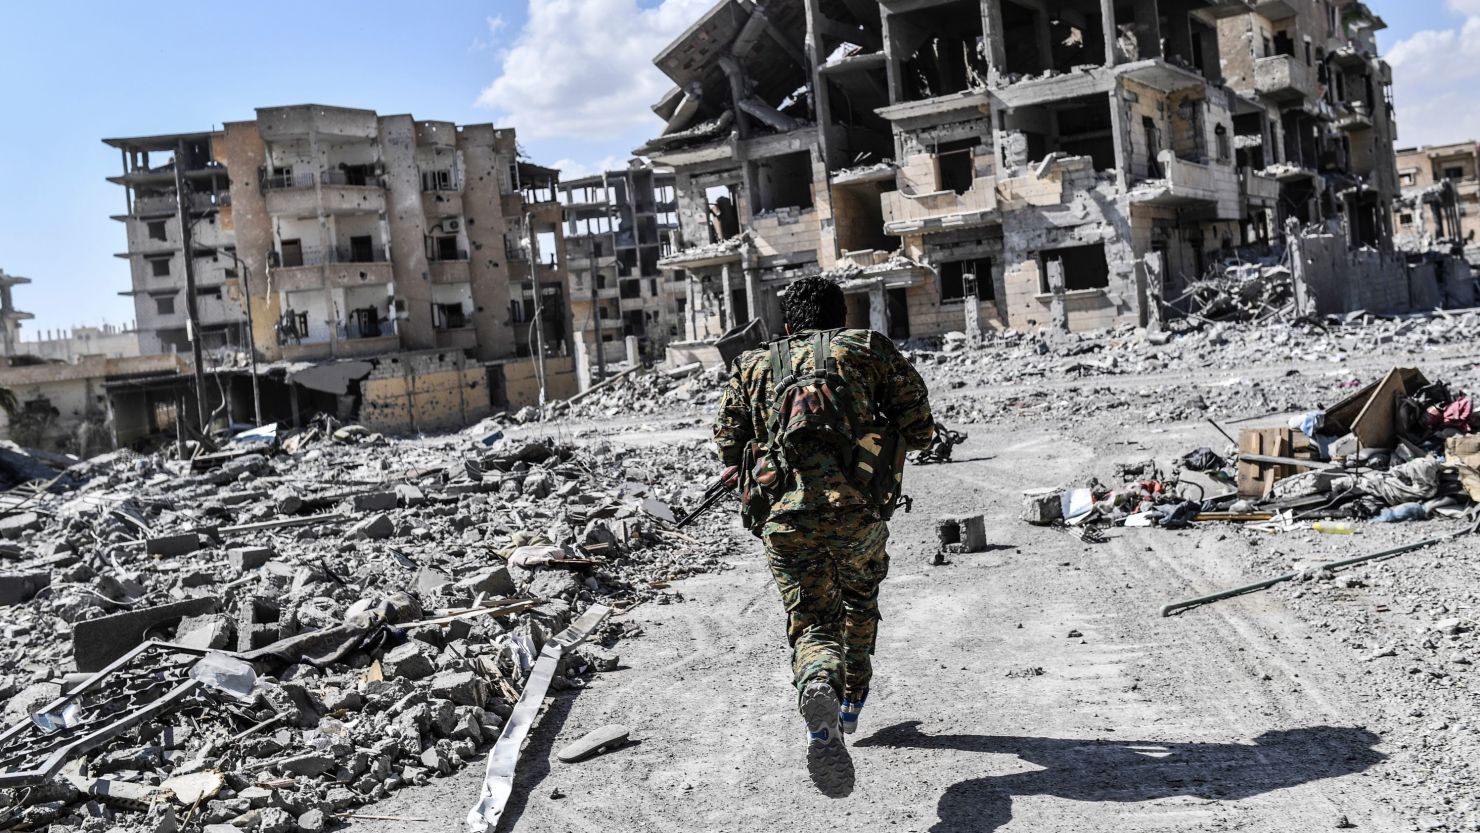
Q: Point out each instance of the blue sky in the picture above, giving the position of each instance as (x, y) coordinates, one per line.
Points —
(573, 76)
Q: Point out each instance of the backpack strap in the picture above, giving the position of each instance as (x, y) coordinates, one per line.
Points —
(780, 363)
(822, 357)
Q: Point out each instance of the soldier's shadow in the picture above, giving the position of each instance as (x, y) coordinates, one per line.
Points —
(1128, 771)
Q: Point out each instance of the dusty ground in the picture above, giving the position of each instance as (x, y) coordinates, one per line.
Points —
(1283, 711)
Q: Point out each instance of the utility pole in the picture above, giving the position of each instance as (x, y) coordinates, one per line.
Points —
(251, 335)
(539, 311)
(191, 311)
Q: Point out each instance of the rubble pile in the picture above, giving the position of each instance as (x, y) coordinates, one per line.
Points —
(1242, 292)
(646, 394)
(1070, 379)
(1401, 449)
(268, 636)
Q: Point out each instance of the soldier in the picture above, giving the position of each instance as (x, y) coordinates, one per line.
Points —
(819, 507)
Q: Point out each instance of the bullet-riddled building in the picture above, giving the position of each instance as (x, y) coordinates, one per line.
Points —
(419, 245)
(1068, 165)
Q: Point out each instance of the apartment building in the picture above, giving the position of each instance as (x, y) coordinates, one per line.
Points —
(155, 253)
(74, 345)
(618, 225)
(1026, 165)
(355, 235)
(1440, 196)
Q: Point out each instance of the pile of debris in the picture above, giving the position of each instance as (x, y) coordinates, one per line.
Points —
(1241, 292)
(1074, 378)
(271, 635)
(1401, 449)
(671, 392)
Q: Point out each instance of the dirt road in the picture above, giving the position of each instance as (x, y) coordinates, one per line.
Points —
(1032, 687)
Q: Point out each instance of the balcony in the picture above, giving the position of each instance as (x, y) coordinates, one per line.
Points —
(915, 213)
(1275, 10)
(1260, 190)
(1188, 184)
(1283, 79)
(448, 271)
(1355, 118)
(297, 194)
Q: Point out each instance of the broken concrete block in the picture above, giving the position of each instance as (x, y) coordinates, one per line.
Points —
(309, 763)
(97, 642)
(31, 699)
(1043, 509)
(16, 588)
(210, 632)
(410, 496)
(461, 687)
(173, 545)
(242, 559)
(373, 528)
(428, 580)
(493, 581)
(376, 502)
(965, 534)
(312, 821)
(14, 526)
(411, 660)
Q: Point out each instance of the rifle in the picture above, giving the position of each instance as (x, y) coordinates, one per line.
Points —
(712, 496)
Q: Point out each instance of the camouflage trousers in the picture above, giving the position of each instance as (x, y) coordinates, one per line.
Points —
(828, 569)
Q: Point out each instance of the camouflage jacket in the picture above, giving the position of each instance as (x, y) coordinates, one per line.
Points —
(872, 366)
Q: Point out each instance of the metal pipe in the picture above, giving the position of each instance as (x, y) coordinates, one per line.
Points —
(1334, 565)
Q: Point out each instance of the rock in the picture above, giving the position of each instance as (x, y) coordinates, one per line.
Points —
(376, 502)
(410, 496)
(275, 820)
(461, 687)
(173, 546)
(491, 581)
(308, 763)
(435, 758)
(213, 631)
(312, 821)
(374, 528)
(33, 698)
(14, 526)
(16, 588)
(554, 584)
(412, 660)
(241, 559)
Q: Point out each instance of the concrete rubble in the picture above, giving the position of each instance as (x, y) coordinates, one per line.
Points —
(351, 607)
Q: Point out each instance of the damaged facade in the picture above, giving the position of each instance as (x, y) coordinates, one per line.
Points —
(1440, 202)
(1069, 166)
(355, 235)
(618, 225)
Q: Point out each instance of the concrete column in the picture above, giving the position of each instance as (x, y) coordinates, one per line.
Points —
(1121, 136)
(973, 309)
(992, 37)
(691, 307)
(891, 60)
(878, 309)
(727, 308)
(1107, 16)
(1148, 29)
(1057, 310)
(583, 364)
(752, 280)
(634, 355)
(1154, 265)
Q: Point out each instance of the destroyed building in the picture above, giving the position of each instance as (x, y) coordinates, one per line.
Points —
(1068, 166)
(155, 252)
(1440, 201)
(10, 317)
(403, 252)
(618, 225)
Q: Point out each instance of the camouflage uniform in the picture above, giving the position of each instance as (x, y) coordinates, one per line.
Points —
(824, 540)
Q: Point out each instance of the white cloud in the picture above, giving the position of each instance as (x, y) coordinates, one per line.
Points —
(574, 169)
(495, 25)
(1435, 73)
(583, 69)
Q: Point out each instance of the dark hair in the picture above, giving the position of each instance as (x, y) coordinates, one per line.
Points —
(814, 303)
